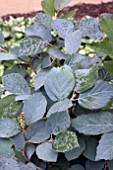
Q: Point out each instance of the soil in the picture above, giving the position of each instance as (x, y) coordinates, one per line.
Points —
(83, 10)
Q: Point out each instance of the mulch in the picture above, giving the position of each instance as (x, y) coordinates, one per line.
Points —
(93, 10)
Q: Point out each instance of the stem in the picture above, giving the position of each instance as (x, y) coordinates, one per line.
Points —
(2, 49)
(105, 165)
(30, 65)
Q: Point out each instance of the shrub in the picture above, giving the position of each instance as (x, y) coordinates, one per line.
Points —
(13, 30)
(56, 104)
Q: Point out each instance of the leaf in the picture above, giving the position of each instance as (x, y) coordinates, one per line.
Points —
(18, 68)
(18, 141)
(60, 106)
(104, 74)
(105, 46)
(22, 97)
(72, 42)
(8, 106)
(90, 165)
(1, 38)
(43, 19)
(78, 61)
(33, 128)
(62, 27)
(40, 31)
(31, 46)
(44, 151)
(57, 123)
(60, 4)
(90, 27)
(85, 78)
(8, 164)
(77, 167)
(29, 166)
(7, 56)
(110, 165)
(19, 156)
(46, 61)
(56, 53)
(69, 14)
(53, 168)
(59, 83)
(40, 78)
(48, 7)
(94, 123)
(34, 108)
(97, 97)
(15, 84)
(65, 141)
(30, 149)
(76, 152)
(106, 26)
(6, 148)
(8, 128)
(105, 147)
(41, 135)
(62, 162)
(90, 151)
(109, 66)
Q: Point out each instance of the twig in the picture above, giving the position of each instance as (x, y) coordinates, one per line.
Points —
(2, 49)
(30, 65)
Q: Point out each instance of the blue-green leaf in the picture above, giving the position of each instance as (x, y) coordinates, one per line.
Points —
(85, 78)
(1, 38)
(110, 165)
(34, 128)
(34, 108)
(8, 128)
(40, 78)
(41, 135)
(72, 42)
(60, 106)
(15, 84)
(62, 27)
(40, 31)
(105, 147)
(76, 152)
(31, 46)
(76, 167)
(90, 151)
(9, 164)
(97, 97)
(91, 165)
(43, 19)
(90, 27)
(44, 151)
(29, 166)
(104, 74)
(30, 149)
(18, 141)
(7, 56)
(56, 53)
(6, 148)
(58, 122)
(94, 123)
(59, 83)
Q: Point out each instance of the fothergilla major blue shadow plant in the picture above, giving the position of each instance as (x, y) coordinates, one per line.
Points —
(56, 104)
